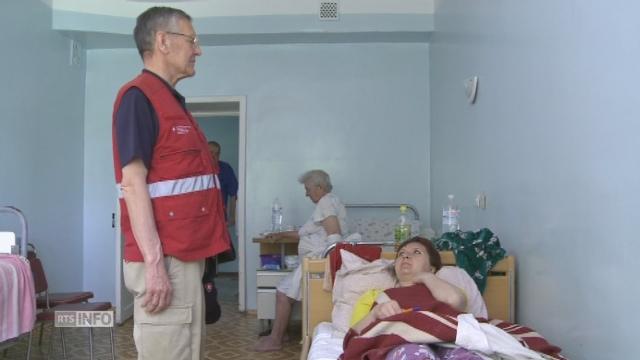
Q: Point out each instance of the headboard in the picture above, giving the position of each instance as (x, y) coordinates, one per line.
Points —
(499, 294)
(375, 222)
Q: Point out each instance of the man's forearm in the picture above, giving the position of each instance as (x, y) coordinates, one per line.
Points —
(232, 209)
(138, 202)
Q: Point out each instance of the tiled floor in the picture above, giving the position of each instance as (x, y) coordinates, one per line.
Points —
(231, 338)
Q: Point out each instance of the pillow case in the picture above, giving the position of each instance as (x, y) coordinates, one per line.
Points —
(354, 278)
(459, 277)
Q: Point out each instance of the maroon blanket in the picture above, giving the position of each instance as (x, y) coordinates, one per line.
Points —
(426, 327)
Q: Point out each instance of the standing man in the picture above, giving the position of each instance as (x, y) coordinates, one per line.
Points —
(229, 188)
(228, 183)
(172, 213)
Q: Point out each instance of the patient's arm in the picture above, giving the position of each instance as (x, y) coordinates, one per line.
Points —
(380, 311)
(331, 225)
(443, 290)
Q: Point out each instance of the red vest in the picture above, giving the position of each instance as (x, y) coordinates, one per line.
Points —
(182, 181)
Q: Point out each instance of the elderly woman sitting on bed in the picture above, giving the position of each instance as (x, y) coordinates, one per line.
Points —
(325, 227)
(417, 289)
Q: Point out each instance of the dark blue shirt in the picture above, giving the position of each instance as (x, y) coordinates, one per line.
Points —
(137, 125)
(228, 181)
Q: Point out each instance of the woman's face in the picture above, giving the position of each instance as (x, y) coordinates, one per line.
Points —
(412, 259)
(314, 192)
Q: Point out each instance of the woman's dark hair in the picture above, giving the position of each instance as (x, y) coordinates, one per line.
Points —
(434, 255)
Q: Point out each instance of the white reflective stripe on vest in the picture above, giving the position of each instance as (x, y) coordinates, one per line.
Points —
(179, 186)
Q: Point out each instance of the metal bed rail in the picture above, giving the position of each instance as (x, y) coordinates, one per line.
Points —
(328, 249)
(23, 223)
(415, 212)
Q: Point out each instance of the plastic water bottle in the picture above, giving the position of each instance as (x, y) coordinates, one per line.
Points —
(450, 216)
(276, 216)
(402, 230)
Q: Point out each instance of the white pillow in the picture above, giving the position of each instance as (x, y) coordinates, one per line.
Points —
(460, 278)
(356, 276)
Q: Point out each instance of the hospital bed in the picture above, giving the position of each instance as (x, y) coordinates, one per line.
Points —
(321, 340)
(17, 302)
(499, 297)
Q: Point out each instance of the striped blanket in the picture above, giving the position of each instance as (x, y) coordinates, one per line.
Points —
(427, 327)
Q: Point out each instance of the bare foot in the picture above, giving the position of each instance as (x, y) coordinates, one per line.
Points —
(267, 343)
(285, 337)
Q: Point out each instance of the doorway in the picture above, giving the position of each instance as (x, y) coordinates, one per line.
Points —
(222, 119)
(213, 108)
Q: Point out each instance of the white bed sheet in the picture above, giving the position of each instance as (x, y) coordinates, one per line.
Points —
(326, 343)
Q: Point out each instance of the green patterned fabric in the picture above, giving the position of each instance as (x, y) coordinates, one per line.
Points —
(476, 252)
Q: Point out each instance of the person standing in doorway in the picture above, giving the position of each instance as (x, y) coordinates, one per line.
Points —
(171, 208)
(228, 183)
(229, 188)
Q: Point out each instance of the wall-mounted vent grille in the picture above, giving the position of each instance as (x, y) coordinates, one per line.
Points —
(328, 10)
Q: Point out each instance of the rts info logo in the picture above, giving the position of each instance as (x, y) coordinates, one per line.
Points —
(84, 318)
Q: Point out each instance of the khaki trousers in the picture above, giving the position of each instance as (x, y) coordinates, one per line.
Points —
(178, 332)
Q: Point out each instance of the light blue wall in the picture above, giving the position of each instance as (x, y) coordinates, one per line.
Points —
(41, 137)
(225, 130)
(553, 141)
(359, 111)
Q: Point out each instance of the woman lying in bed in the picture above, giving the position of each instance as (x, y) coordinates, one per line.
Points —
(423, 315)
(417, 289)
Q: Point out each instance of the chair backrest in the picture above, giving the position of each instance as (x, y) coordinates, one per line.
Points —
(39, 277)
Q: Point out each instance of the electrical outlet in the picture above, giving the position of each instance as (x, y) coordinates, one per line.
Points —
(74, 53)
(481, 201)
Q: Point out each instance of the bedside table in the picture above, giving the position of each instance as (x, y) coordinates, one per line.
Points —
(267, 280)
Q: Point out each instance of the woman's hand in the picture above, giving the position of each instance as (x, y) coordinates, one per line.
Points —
(380, 311)
(387, 309)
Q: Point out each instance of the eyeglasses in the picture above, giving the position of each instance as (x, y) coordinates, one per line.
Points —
(193, 40)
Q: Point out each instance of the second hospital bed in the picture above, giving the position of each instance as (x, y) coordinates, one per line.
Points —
(317, 304)
(321, 340)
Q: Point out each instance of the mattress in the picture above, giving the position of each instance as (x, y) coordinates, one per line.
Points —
(327, 342)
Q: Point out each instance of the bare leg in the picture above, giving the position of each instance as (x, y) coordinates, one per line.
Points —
(273, 342)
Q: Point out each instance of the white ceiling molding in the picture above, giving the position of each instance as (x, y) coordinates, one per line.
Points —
(209, 8)
(159, 1)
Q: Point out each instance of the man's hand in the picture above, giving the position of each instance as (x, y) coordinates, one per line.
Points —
(158, 291)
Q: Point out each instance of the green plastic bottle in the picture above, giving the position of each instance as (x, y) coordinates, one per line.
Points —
(402, 230)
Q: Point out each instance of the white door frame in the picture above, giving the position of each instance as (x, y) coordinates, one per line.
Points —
(242, 198)
(124, 311)
(124, 300)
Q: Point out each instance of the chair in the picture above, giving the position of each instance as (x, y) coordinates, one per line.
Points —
(49, 315)
(50, 303)
(44, 300)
